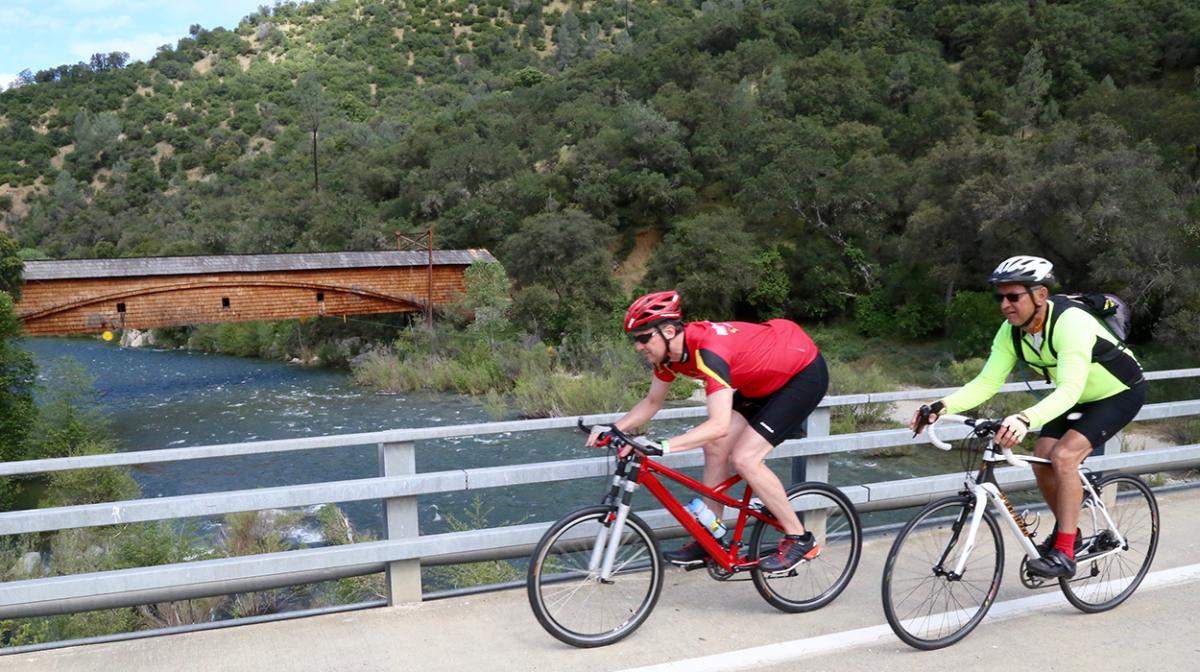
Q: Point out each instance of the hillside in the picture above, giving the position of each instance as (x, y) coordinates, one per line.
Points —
(814, 158)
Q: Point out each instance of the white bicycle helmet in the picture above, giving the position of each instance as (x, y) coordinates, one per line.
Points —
(1023, 270)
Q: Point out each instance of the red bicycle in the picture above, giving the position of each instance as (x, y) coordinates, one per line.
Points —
(596, 574)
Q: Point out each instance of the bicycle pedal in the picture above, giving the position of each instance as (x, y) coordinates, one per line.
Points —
(1031, 581)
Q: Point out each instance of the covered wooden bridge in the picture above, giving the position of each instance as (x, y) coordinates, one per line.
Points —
(90, 295)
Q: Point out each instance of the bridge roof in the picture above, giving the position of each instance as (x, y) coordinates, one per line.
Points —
(69, 269)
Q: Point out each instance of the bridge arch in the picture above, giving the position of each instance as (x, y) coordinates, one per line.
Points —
(80, 296)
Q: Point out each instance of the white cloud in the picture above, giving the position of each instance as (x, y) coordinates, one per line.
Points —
(88, 6)
(6, 79)
(21, 20)
(101, 25)
(139, 47)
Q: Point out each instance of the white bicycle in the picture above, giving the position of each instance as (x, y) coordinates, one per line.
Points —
(942, 575)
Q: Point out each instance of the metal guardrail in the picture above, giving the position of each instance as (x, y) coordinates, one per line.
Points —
(404, 551)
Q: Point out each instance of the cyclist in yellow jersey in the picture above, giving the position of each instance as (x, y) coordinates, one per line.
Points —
(1096, 376)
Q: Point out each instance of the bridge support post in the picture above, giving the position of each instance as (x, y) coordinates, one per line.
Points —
(403, 578)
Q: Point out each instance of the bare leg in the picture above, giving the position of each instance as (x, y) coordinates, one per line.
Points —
(1066, 457)
(1046, 480)
(717, 465)
(749, 451)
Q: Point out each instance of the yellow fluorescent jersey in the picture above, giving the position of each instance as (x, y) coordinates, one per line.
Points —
(1086, 363)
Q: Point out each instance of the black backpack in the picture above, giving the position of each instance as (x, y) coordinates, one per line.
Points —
(1110, 311)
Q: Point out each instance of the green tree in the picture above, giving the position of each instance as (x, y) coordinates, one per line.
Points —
(1027, 99)
(486, 293)
(11, 268)
(566, 254)
(710, 260)
(18, 413)
(313, 108)
(71, 419)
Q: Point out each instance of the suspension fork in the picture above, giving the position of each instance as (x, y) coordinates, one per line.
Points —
(612, 499)
(610, 545)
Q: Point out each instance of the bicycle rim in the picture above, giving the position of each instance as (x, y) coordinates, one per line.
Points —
(571, 602)
(926, 608)
(1103, 583)
(831, 517)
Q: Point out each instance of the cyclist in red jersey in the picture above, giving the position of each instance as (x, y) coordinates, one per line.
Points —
(761, 383)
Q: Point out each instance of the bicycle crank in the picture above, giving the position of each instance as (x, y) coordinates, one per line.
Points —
(1031, 581)
(718, 572)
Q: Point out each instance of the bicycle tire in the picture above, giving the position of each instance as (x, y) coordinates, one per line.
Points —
(815, 583)
(1108, 581)
(571, 603)
(928, 610)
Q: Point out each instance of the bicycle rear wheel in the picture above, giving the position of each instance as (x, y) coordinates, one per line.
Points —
(832, 518)
(571, 602)
(1103, 583)
(926, 606)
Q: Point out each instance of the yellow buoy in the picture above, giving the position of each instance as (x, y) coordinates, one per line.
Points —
(108, 335)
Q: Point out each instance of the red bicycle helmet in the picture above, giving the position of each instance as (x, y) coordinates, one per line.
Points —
(653, 308)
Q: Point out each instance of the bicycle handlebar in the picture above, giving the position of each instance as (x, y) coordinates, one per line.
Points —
(981, 427)
(611, 436)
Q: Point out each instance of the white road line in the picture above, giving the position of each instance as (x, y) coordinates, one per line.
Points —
(769, 654)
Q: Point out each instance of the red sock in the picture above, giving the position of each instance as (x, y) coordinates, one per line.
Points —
(1065, 542)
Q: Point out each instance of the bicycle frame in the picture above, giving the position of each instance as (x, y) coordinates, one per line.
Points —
(984, 487)
(637, 469)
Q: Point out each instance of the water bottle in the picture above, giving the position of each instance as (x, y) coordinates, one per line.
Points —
(707, 518)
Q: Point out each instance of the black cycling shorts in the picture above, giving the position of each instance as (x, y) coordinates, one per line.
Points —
(1101, 420)
(780, 416)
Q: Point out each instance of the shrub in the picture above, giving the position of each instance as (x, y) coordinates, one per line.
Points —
(471, 574)
(972, 319)
(856, 379)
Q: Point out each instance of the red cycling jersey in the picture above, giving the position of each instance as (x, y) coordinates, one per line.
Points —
(754, 359)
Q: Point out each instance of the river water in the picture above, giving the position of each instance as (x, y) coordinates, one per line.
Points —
(161, 399)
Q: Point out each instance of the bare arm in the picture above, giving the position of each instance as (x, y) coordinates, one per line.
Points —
(720, 409)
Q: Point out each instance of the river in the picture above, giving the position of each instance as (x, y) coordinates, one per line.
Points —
(161, 399)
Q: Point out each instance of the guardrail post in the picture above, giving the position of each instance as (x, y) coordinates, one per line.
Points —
(813, 467)
(403, 577)
(1112, 447)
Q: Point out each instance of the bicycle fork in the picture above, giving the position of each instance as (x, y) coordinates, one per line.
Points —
(977, 511)
(608, 539)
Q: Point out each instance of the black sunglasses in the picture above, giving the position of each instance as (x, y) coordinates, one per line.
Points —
(1012, 297)
(644, 338)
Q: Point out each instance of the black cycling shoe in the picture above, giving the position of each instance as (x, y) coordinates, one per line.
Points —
(1048, 543)
(1053, 565)
(793, 550)
(688, 555)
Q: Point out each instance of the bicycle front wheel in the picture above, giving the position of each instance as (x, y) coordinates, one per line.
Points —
(833, 520)
(571, 602)
(927, 605)
(1110, 571)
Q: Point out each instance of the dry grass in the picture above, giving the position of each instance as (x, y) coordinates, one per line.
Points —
(632, 269)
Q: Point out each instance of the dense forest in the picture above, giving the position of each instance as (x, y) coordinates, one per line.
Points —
(819, 159)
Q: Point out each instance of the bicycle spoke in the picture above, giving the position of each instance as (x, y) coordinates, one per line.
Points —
(1107, 581)
(924, 605)
(814, 583)
(571, 602)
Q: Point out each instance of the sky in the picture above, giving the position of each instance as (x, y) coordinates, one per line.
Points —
(42, 34)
